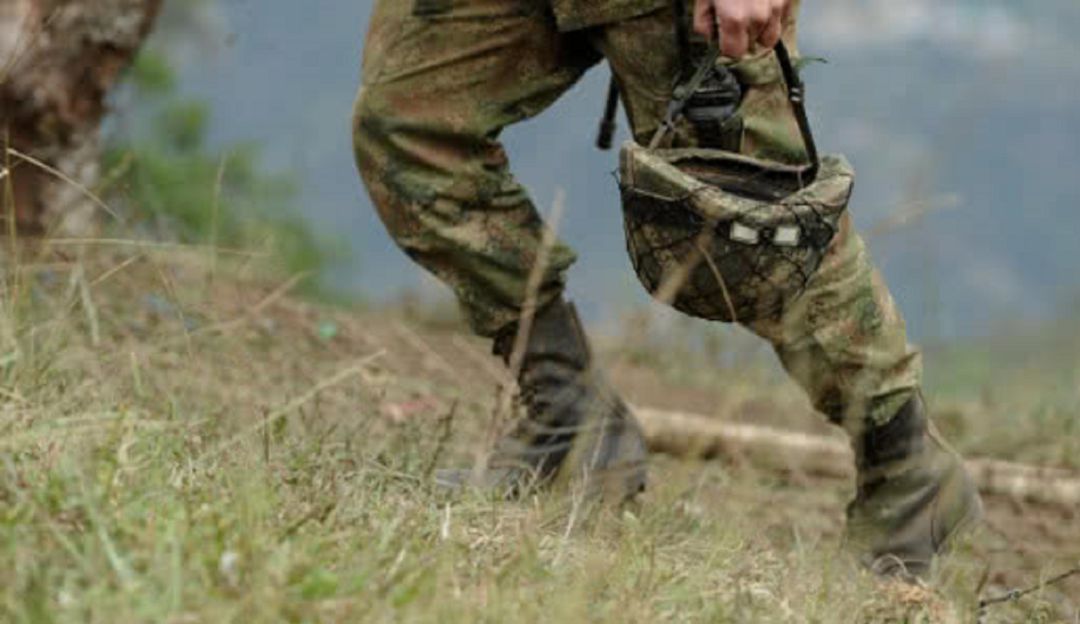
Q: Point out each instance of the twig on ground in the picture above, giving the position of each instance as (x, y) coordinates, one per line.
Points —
(266, 438)
(676, 278)
(13, 396)
(114, 270)
(152, 244)
(426, 350)
(535, 282)
(173, 294)
(215, 215)
(446, 429)
(906, 215)
(482, 360)
(1017, 594)
(700, 244)
(322, 386)
(248, 315)
(320, 513)
(259, 307)
(88, 306)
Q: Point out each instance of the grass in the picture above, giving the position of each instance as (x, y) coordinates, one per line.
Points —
(182, 441)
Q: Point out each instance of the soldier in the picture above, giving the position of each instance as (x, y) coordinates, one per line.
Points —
(442, 78)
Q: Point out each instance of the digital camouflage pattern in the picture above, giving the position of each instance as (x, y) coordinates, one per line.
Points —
(438, 88)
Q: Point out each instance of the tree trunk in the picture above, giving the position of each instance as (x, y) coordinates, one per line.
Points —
(58, 61)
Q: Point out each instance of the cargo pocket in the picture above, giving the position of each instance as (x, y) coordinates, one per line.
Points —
(769, 128)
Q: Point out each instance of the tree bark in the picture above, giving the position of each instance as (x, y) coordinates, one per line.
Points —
(58, 61)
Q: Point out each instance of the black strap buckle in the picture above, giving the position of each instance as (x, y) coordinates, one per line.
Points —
(796, 97)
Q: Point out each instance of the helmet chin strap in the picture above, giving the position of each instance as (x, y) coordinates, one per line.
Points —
(608, 125)
(606, 137)
(796, 97)
(682, 95)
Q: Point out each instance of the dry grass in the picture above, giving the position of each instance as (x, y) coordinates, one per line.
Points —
(177, 446)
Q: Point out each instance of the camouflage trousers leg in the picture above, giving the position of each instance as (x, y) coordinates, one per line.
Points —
(438, 88)
(844, 340)
(441, 81)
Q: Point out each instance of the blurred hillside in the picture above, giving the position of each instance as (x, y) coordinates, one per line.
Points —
(967, 112)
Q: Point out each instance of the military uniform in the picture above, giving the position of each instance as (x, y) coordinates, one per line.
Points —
(442, 79)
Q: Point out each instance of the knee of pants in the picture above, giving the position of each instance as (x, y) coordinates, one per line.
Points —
(398, 173)
(372, 142)
(398, 156)
(372, 128)
(420, 152)
(442, 188)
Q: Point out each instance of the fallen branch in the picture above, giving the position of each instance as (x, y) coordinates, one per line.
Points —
(1017, 594)
(341, 376)
(692, 435)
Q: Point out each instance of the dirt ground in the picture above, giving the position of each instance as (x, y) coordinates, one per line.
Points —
(1020, 544)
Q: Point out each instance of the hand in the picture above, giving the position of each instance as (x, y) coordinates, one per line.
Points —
(741, 23)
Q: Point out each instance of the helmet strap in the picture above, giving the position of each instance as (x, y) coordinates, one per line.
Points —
(796, 91)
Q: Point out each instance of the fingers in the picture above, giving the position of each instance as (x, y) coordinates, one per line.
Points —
(773, 30)
(734, 37)
(785, 9)
(705, 18)
(741, 23)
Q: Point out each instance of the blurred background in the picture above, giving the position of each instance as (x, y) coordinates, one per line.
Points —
(962, 118)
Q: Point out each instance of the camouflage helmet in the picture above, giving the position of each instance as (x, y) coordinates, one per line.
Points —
(723, 236)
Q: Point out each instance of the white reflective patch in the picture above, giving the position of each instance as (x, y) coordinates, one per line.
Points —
(787, 236)
(743, 234)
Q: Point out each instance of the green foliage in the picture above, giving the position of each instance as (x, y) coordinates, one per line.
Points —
(173, 185)
(152, 74)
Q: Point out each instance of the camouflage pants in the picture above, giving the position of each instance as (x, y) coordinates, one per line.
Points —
(439, 88)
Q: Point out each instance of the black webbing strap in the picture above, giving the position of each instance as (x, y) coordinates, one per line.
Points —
(796, 96)
(682, 37)
(682, 94)
(606, 135)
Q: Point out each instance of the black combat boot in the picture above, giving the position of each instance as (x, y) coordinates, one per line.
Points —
(914, 495)
(574, 425)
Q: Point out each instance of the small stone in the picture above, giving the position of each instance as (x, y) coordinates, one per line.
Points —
(229, 568)
(328, 330)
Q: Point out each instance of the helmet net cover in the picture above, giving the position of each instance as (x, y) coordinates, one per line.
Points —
(726, 237)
